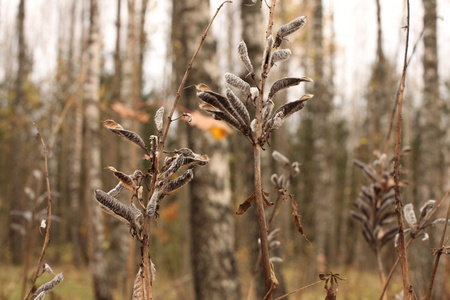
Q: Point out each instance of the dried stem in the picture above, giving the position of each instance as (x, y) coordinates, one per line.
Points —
(257, 169)
(49, 216)
(186, 74)
(401, 250)
(299, 290)
(438, 255)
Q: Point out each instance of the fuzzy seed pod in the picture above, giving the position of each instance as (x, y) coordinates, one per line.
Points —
(173, 185)
(243, 54)
(267, 52)
(410, 216)
(267, 111)
(50, 285)
(238, 83)
(426, 209)
(239, 107)
(280, 158)
(115, 208)
(289, 28)
(153, 204)
(254, 93)
(280, 55)
(159, 119)
(285, 83)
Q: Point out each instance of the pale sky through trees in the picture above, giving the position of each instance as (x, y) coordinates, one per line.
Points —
(354, 30)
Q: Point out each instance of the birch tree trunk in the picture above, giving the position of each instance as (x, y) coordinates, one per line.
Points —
(323, 136)
(97, 262)
(430, 176)
(212, 228)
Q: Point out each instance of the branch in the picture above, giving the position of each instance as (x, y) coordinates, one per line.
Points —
(401, 250)
(49, 216)
(438, 255)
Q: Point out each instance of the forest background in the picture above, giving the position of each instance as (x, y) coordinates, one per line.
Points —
(352, 51)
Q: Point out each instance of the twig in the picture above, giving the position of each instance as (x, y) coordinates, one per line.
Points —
(298, 290)
(401, 250)
(438, 255)
(49, 216)
(186, 74)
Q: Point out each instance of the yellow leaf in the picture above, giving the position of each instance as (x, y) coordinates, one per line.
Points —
(218, 133)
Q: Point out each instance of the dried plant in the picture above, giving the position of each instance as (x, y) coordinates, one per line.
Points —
(375, 207)
(233, 110)
(140, 210)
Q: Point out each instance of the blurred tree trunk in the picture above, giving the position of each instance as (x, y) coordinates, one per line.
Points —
(212, 228)
(17, 125)
(253, 34)
(323, 193)
(96, 237)
(76, 159)
(430, 177)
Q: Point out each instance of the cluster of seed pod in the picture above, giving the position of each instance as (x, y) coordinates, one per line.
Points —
(165, 184)
(233, 110)
(282, 180)
(375, 204)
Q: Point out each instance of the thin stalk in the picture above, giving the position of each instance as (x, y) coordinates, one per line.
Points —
(49, 217)
(381, 270)
(438, 255)
(262, 222)
(401, 250)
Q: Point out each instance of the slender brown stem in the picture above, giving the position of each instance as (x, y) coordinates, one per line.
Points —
(299, 290)
(401, 249)
(438, 255)
(49, 217)
(262, 222)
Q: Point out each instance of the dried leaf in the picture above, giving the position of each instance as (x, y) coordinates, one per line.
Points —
(111, 124)
(201, 87)
(289, 28)
(246, 204)
(297, 219)
(126, 180)
(127, 134)
(285, 83)
(243, 54)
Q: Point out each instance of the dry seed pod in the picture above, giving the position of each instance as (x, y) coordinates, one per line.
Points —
(426, 209)
(294, 106)
(153, 203)
(114, 207)
(238, 83)
(285, 83)
(159, 119)
(126, 180)
(254, 93)
(267, 111)
(111, 124)
(274, 179)
(50, 285)
(410, 216)
(280, 55)
(240, 108)
(280, 158)
(173, 185)
(289, 28)
(223, 116)
(267, 52)
(127, 134)
(243, 54)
